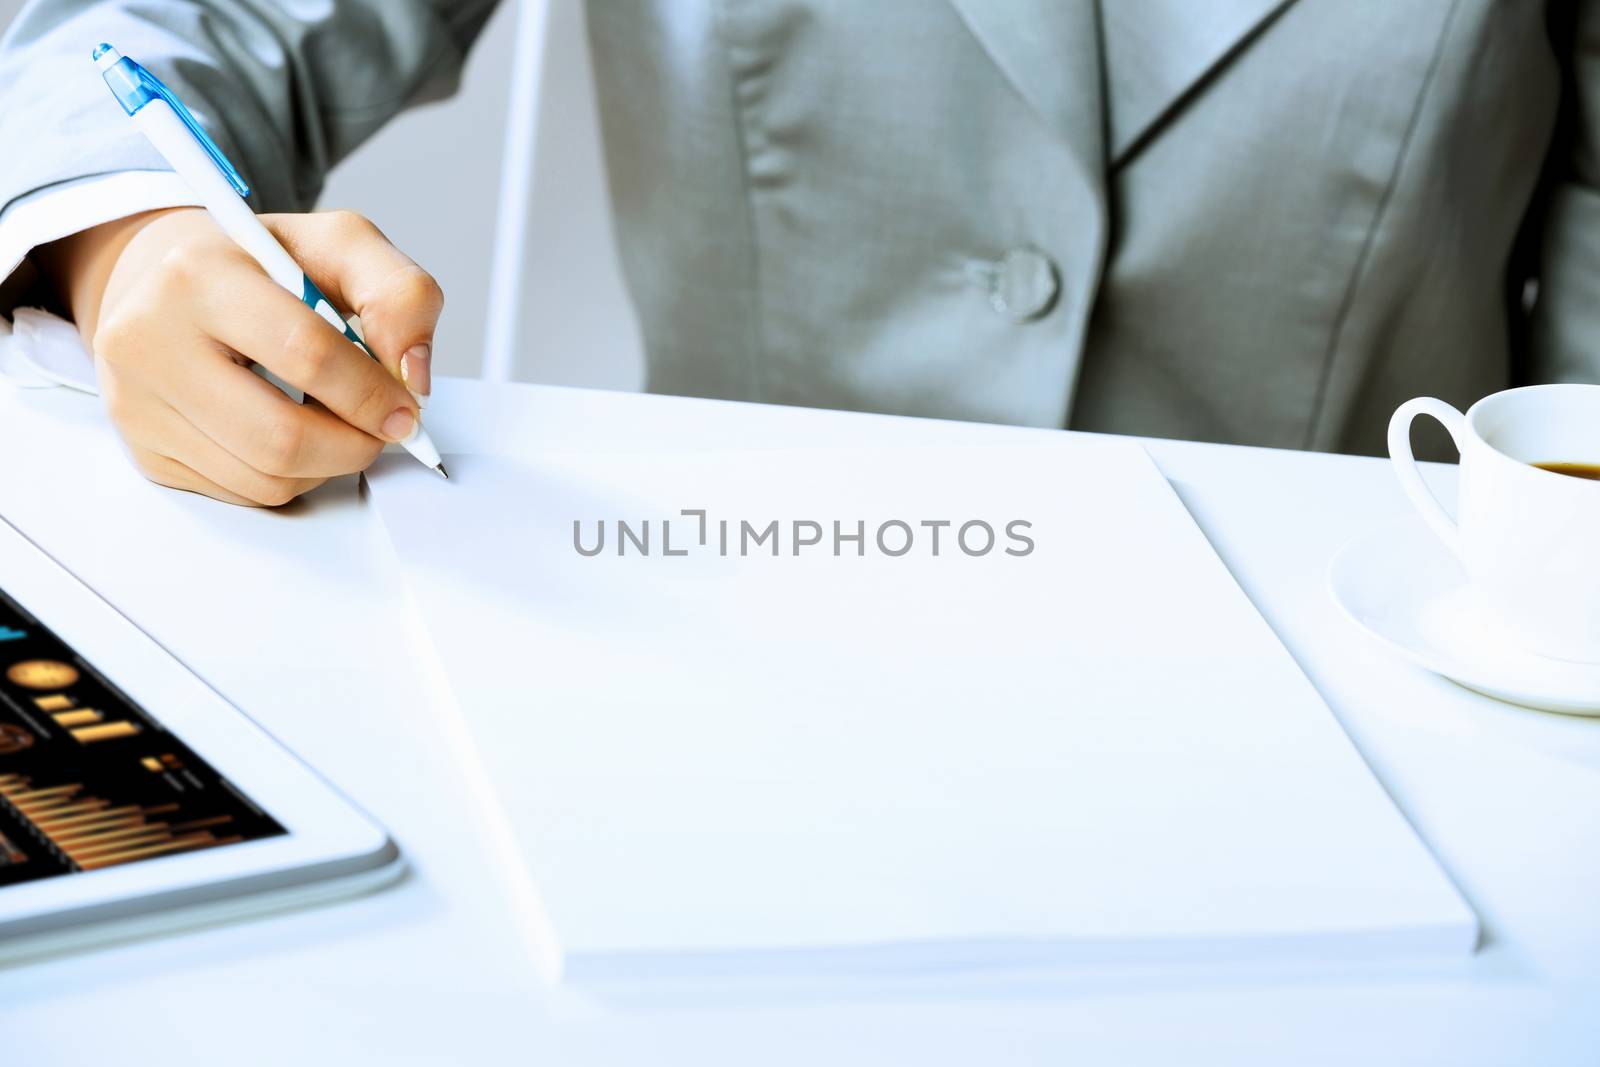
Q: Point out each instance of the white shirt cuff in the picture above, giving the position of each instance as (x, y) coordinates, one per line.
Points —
(56, 211)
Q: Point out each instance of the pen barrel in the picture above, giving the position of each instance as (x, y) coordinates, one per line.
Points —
(161, 125)
(178, 147)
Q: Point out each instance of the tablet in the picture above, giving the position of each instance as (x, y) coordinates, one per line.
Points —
(133, 797)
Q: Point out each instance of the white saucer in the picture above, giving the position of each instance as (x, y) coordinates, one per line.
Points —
(1404, 588)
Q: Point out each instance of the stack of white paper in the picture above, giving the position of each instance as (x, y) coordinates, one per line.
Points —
(1090, 748)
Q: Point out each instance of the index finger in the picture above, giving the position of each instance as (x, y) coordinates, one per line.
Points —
(361, 270)
(263, 322)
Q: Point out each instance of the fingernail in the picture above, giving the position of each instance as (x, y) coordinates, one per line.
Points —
(399, 424)
(415, 371)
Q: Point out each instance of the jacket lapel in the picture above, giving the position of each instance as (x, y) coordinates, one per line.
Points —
(1050, 52)
(1104, 73)
(1157, 51)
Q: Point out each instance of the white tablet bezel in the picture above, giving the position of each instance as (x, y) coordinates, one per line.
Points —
(327, 836)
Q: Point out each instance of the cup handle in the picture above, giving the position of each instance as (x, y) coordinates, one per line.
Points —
(1405, 464)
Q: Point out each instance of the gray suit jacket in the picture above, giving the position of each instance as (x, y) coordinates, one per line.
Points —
(1258, 221)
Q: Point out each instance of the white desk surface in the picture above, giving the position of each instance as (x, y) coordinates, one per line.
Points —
(299, 617)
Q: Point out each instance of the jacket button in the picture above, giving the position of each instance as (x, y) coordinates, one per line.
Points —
(1024, 285)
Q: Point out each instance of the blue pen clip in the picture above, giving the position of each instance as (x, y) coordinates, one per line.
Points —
(134, 87)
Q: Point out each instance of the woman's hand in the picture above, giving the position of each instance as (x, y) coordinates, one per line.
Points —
(175, 313)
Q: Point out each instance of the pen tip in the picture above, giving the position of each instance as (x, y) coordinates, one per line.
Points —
(442, 472)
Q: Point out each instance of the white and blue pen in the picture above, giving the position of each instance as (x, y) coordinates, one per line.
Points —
(162, 118)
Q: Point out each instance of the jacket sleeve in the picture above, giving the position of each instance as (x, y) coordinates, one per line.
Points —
(286, 87)
(1565, 329)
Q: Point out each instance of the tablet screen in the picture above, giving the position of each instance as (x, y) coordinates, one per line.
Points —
(90, 780)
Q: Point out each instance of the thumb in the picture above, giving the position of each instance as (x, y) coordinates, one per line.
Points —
(357, 268)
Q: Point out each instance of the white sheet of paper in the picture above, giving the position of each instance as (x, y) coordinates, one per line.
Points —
(1094, 753)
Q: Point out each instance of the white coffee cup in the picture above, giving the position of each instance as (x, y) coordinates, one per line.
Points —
(1528, 538)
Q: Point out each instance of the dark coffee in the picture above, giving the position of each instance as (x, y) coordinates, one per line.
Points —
(1590, 471)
